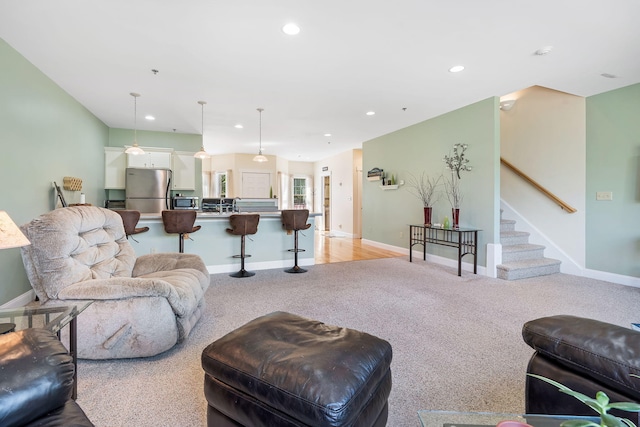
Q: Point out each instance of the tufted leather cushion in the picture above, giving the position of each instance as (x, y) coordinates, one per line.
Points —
(75, 244)
(243, 224)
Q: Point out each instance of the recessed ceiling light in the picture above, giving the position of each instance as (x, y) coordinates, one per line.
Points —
(609, 76)
(370, 113)
(544, 50)
(291, 29)
(327, 134)
(456, 68)
(238, 126)
(149, 117)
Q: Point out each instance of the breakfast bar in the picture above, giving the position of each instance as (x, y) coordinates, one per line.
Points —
(269, 247)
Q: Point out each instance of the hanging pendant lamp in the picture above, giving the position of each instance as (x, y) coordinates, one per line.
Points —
(260, 158)
(202, 154)
(135, 149)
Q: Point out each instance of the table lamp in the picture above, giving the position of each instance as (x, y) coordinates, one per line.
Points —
(10, 237)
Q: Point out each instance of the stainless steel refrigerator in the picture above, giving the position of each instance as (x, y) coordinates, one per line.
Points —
(147, 190)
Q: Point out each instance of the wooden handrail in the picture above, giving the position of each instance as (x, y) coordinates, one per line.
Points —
(539, 187)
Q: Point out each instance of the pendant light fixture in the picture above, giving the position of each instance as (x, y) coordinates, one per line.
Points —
(135, 149)
(260, 158)
(202, 154)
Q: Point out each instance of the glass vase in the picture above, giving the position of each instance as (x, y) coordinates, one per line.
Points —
(427, 215)
(455, 214)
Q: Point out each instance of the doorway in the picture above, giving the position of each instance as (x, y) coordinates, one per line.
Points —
(255, 184)
(326, 202)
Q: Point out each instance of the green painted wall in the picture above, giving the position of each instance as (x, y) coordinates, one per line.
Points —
(613, 164)
(421, 147)
(45, 135)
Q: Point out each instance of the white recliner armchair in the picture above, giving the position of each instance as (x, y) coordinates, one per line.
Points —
(141, 306)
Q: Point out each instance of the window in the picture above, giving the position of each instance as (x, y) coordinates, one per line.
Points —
(221, 184)
(214, 184)
(299, 193)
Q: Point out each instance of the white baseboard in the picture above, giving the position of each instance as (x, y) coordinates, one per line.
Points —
(20, 300)
(612, 277)
(266, 265)
(417, 255)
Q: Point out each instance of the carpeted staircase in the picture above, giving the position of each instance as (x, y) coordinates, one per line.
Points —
(520, 259)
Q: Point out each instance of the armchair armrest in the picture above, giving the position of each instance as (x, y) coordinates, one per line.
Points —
(602, 351)
(152, 263)
(115, 288)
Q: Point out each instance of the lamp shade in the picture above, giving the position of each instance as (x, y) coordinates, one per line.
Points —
(10, 234)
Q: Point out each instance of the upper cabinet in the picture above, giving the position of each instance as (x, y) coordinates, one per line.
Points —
(156, 159)
(115, 163)
(184, 171)
(182, 164)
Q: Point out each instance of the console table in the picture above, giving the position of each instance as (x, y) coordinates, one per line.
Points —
(465, 239)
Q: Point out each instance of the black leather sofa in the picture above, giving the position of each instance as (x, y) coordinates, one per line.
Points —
(36, 381)
(585, 355)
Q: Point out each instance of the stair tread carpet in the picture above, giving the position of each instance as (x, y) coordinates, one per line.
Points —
(529, 263)
(522, 247)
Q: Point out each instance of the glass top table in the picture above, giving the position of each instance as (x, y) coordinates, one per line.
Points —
(53, 318)
(486, 419)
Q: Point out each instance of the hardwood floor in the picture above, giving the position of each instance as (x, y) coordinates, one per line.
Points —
(339, 249)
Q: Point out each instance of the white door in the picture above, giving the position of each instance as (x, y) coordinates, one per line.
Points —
(255, 184)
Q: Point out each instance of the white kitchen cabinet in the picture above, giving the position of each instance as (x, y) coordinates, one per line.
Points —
(150, 159)
(115, 163)
(184, 171)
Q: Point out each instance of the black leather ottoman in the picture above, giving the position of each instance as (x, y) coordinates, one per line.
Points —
(286, 370)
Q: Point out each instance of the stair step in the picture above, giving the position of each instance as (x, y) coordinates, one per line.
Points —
(522, 252)
(528, 268)
(514, 238)
(507, 225)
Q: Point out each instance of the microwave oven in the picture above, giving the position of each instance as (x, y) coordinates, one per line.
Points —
(184, 202)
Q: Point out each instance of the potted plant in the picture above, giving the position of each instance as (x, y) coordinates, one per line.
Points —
(600, 404)
(425, 188)
(456, 163)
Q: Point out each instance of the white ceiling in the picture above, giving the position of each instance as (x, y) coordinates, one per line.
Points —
(351, 56)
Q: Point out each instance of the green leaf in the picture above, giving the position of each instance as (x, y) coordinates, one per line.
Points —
(579, 423)
(626, 406)
(602, 398)
(612, 421)
(628, 422)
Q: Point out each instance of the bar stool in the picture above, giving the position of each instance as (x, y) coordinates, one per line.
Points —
(295, 220)
(130, 219)
(181, 223)
(242, 225)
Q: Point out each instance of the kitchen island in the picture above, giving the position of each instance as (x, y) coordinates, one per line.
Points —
(269, 247)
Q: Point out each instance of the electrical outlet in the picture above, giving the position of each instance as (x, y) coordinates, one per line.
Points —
(401, 234)
(604, 195)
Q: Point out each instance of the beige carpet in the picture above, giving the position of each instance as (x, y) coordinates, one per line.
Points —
(457, 340)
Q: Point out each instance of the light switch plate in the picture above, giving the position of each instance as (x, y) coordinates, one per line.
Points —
(604, 195)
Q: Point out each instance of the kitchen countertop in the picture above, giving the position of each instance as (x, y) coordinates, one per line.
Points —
(225, 215)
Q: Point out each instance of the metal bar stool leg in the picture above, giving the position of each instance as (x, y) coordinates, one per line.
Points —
(242, 272)
(296, 268)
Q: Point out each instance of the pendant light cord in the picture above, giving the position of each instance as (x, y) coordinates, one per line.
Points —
(260, 110)
(135, 119)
